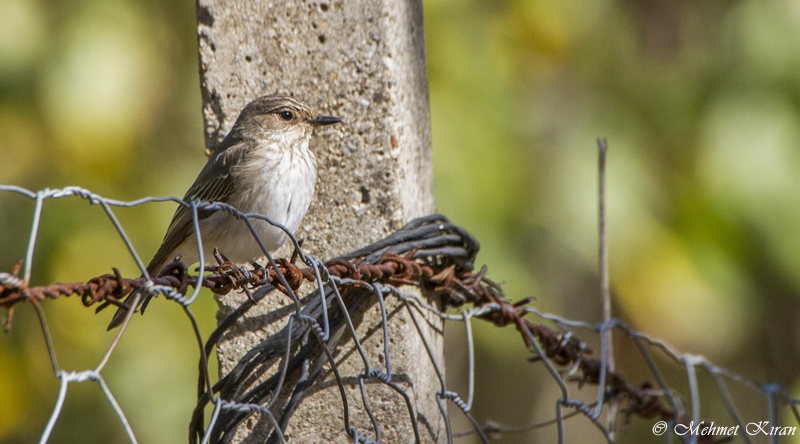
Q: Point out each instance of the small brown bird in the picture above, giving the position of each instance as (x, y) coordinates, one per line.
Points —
(263, 166)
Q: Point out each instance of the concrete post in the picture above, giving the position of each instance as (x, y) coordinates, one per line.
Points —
(362, 61)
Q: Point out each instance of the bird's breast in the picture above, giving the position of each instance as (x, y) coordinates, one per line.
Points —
(278, 183)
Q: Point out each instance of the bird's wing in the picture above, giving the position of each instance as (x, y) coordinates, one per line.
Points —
(215, 183)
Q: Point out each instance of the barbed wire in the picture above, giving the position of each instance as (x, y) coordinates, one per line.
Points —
(429, 254)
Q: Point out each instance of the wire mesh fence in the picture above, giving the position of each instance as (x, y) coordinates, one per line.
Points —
(429, 257)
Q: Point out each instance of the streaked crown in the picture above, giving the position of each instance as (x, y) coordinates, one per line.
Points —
(277, 112)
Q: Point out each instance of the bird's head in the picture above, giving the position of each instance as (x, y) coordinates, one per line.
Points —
(280, 118)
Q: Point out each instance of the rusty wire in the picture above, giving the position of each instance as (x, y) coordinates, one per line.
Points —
(428, 253)
(457, 287)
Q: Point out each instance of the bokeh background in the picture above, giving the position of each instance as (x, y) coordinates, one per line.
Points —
(700, 102)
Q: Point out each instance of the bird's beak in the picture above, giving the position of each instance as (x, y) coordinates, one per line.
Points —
(324, 120)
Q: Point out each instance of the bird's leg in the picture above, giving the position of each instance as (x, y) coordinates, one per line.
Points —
(296, 253)
(258, 268)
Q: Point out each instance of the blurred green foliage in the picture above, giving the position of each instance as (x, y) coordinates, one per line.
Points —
(104, 95)
(700, 102)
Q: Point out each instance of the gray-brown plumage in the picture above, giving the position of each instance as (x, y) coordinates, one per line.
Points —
(263, 166)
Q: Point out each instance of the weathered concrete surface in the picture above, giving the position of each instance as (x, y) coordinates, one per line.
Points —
(362, 61)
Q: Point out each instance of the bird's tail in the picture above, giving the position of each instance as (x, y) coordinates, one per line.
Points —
(122, 312)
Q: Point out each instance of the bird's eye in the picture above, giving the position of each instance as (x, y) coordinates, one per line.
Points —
(286, 115)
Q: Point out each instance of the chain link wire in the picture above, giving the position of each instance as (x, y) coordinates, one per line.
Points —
(429, 254)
